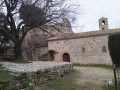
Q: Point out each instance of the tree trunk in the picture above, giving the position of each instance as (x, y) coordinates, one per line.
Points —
(18, 51)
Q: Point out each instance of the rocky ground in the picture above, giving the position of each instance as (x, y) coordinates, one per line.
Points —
(30, 67)
(82, 78)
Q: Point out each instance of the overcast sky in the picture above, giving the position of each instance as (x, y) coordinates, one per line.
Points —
(93, 10)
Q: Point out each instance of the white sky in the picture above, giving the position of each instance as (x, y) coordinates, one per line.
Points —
(93, 10)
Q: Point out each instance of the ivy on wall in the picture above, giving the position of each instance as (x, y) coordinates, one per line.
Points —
(52, 53)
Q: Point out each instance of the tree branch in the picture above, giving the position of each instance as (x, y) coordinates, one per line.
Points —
(6, 34)
(19, 25)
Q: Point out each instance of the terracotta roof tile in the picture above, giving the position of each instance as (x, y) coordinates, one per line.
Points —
(85, 34)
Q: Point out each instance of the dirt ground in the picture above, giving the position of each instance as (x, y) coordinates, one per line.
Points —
(91, 78)
(82, 78)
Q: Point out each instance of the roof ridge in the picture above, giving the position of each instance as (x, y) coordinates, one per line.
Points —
(85, 34)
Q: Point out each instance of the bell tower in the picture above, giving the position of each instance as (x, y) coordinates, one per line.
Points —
(103, 23)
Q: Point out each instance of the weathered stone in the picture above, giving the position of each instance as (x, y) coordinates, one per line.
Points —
(15, 88)
(5, 85)
(86, 47)
(25, 81)
(18, 77)
(35, 37)
(24, 85)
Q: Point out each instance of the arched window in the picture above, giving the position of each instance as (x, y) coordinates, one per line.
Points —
(83, 49)
(104, 49)
(103, 22)
(103, 28)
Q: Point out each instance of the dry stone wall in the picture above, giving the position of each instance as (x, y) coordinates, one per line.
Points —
(29, 80)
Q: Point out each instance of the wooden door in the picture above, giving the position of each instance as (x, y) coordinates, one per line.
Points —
(29, 54)
(66, 57)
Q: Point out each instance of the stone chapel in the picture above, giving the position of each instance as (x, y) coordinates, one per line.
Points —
(84, 48)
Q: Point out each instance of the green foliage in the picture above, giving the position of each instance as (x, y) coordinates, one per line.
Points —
(15, 88)
(68, 82)
(52, 53)
(98, 66)
(66, 72)
(38, 72)
(114, 48)
(61, 75)
(105, 88)
(49, 78)
(24, 85)
(32, 15)
(5, 75)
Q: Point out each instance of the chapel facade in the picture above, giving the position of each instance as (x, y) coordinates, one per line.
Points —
(84, 48)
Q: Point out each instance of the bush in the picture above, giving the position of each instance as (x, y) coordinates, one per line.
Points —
(52, 53)
(114, 48)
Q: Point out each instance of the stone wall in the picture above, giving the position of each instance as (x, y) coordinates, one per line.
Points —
(40, 54)
(57, 29)
(28, 81)
(86, 50)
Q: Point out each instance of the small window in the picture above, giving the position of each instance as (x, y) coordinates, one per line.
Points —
(103, 28)
(83, 49)
(103, 22)
(104, 49)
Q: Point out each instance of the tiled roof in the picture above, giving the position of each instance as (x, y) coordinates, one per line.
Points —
(85, 34)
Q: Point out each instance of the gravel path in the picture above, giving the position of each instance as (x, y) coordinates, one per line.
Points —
(30, 67)
(91, 78)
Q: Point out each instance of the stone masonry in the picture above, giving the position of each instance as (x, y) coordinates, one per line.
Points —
(35, 45)
(33, 74)
(84, 48)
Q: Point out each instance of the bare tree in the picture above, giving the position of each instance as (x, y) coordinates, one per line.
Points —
(24, 15)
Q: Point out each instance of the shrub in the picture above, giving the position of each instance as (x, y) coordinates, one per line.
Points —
(52, 53)
(114, 48)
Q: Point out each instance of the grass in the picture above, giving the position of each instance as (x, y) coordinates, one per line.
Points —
(5, 75)
(67, 82)
(97, 66)
(105, 88)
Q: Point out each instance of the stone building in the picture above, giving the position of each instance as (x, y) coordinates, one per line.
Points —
(84, 48)
(36, 44)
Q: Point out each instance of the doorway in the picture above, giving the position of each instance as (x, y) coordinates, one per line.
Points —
(66, 57)
(29, 54)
